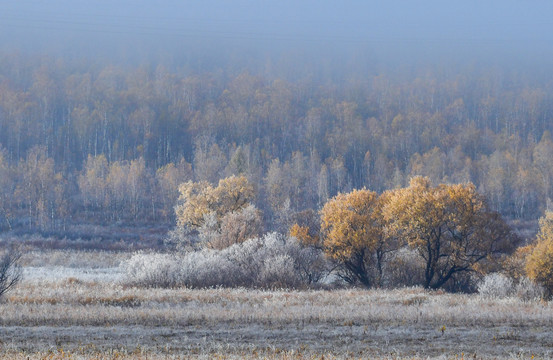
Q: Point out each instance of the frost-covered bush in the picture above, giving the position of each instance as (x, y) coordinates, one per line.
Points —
(152, 270)
(273, 260)
(499, 286)
(496, 286)
(312, 265)
(527, 290)
(206, 268)
(279, 271)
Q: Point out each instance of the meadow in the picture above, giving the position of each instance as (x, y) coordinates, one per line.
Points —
(77, 305)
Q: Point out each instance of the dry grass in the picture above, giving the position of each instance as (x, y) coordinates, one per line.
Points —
(73, 259)
(88, 315)
(75, 302)
(267, 354)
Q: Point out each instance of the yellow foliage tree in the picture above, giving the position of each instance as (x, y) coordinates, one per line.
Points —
(232, 194)
(302, 234)
(450, 226)
(353, 235)
(197, 199)
(514, 266)
(539, 263)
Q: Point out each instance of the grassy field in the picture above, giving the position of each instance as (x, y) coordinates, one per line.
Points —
(75, 305)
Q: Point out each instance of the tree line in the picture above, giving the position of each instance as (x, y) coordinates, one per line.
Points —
(434, 236)
(84, 142)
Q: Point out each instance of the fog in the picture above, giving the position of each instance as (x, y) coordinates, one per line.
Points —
(282, 37)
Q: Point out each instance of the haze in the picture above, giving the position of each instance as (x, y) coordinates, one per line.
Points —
(207, 35)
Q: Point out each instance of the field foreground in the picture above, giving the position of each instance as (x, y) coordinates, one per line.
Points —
(76, 313)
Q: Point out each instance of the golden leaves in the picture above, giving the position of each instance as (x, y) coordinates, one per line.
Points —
(351, 223)
(539, 263)
(302, 234)
(197, 199)
(450, 225)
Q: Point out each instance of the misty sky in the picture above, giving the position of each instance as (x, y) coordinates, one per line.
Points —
(89, 28)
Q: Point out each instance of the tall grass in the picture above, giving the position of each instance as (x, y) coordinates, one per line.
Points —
(65, 311)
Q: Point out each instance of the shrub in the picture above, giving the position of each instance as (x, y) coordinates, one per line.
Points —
(527, 290)
(273, 260)
(152, 270)
(206, 268)
(496, 286)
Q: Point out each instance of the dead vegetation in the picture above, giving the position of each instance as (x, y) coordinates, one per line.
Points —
(87, 314)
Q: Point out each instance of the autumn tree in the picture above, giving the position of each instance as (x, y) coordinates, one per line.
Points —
(353, 235)
(138, 188)
(303, 235)
(93, 183)
(116, 183)
(38, 187)
(543, 163)
(450, 226)
(205, 208)
(232, 194)
(539, 263)
(306, 228)
(168, 178)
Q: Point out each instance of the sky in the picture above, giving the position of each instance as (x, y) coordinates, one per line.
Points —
(309, 19)
(149, 29)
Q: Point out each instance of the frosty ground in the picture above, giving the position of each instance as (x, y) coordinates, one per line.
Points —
(77, 305)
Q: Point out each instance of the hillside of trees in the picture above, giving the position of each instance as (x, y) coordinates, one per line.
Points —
(97, 143)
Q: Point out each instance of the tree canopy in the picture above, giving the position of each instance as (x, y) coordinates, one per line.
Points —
(450, 226)
(198, 199)
(539, 262)
(354, 235)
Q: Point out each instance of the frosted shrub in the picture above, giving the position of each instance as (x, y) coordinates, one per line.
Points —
(527, 290)
(246, 261)
(206, 268)
(152, 270)
(278, 271)
(265, 262)
(496, 286)
(280, 259)
(273, 260)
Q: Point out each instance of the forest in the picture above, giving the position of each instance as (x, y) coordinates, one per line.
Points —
(276, 179)
(84, 142)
